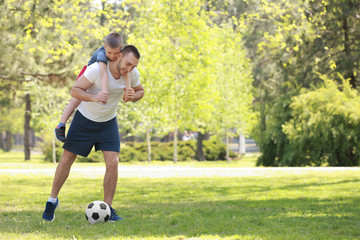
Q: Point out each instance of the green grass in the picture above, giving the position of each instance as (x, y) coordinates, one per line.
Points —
(297, 205)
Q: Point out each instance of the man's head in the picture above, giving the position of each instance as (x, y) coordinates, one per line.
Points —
(113, 45)
(130, 57)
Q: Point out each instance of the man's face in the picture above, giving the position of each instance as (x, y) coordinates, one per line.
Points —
(112, 53)
(127, 63)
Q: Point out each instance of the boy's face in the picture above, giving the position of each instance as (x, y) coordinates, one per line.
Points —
(127, 63)
(112, 53)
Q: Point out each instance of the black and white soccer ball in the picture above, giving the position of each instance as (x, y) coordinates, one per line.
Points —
(97, 211)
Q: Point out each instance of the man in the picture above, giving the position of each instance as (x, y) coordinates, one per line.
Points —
(95, 124)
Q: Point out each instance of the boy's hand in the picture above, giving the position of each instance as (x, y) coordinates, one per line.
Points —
(129, 94)
(102, 97)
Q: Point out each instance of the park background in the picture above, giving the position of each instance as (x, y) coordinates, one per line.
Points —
(283, 72)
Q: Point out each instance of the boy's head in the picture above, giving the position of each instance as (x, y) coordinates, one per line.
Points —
(129, 60)
(113, 45)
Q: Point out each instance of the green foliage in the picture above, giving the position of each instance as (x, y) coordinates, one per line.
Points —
(272, 141)
(291, 42)
(325, 127)
(314, 128)
(93, 157)
(161, 151)
(47, 150)
(132, 154)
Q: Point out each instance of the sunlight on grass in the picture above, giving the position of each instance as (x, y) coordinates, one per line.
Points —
(303, 204)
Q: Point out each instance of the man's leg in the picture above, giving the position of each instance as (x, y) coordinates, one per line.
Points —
(110, 181)
(62, 172)
(111, 175)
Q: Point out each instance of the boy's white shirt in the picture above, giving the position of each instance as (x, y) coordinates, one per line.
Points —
(99, 112)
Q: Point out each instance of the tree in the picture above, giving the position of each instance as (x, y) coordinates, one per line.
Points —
(324, 127)
(51, 40)
(234, 83)
(176, 56)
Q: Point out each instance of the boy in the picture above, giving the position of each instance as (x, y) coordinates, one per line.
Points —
(109, 52)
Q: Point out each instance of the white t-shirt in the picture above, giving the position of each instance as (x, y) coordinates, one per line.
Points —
(99, 112)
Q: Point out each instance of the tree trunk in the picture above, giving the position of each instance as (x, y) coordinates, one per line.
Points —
(349, 60)
(199, 147)
(27, 129)
(2, 145)
(175, 145)
(148, 140)
(8, 141)
(102, 17)
(227, 147)
(241, 149)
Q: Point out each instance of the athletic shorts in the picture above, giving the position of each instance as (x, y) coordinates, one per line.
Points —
(81, 72)
(83, 134)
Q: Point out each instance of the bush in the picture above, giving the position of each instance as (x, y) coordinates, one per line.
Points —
(214, 150)
(325, 127)
(46, 148)
(314, 128)
(130, 154)
(160, 151)
(273, 143)
(93, 157)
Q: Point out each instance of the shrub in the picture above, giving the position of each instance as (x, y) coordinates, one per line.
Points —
(130, 154)
(214, 150)
(325, 127)
(93, 157)
(47, 151)
(161, 151)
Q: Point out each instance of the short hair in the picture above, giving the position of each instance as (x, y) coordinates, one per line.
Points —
(130, 48)
(114, 40)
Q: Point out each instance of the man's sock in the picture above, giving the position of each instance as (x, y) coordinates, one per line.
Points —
(60, 125)
(53, 200)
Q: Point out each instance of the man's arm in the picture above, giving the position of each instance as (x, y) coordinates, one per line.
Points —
(134, 94)
(79, 91)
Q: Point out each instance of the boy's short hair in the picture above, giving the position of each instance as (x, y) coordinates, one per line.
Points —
(114, 40)
(130, 48)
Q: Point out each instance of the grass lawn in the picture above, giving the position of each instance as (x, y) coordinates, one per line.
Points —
(304, 205)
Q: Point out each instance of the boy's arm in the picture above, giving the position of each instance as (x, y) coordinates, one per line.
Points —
(127, 87)
(104, 77)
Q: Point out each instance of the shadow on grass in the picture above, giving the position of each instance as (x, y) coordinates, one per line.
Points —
(188, 207)
(305, 218)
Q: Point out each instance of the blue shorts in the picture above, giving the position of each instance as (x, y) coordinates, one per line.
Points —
(83, 134)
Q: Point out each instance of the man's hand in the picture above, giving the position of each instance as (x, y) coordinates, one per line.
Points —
(101, 97)
(129, 94)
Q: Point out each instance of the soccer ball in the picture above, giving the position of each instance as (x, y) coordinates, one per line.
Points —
(97, 211)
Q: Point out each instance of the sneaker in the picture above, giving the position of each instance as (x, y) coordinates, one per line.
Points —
(60, 134)
(49, 213)
(114, 217)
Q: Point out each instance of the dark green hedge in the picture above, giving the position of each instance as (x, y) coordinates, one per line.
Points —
(160, 151)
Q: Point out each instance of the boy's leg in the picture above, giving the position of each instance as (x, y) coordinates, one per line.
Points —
(69, 109)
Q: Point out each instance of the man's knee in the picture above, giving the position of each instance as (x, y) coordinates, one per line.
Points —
(68, 158)
(111, 159)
